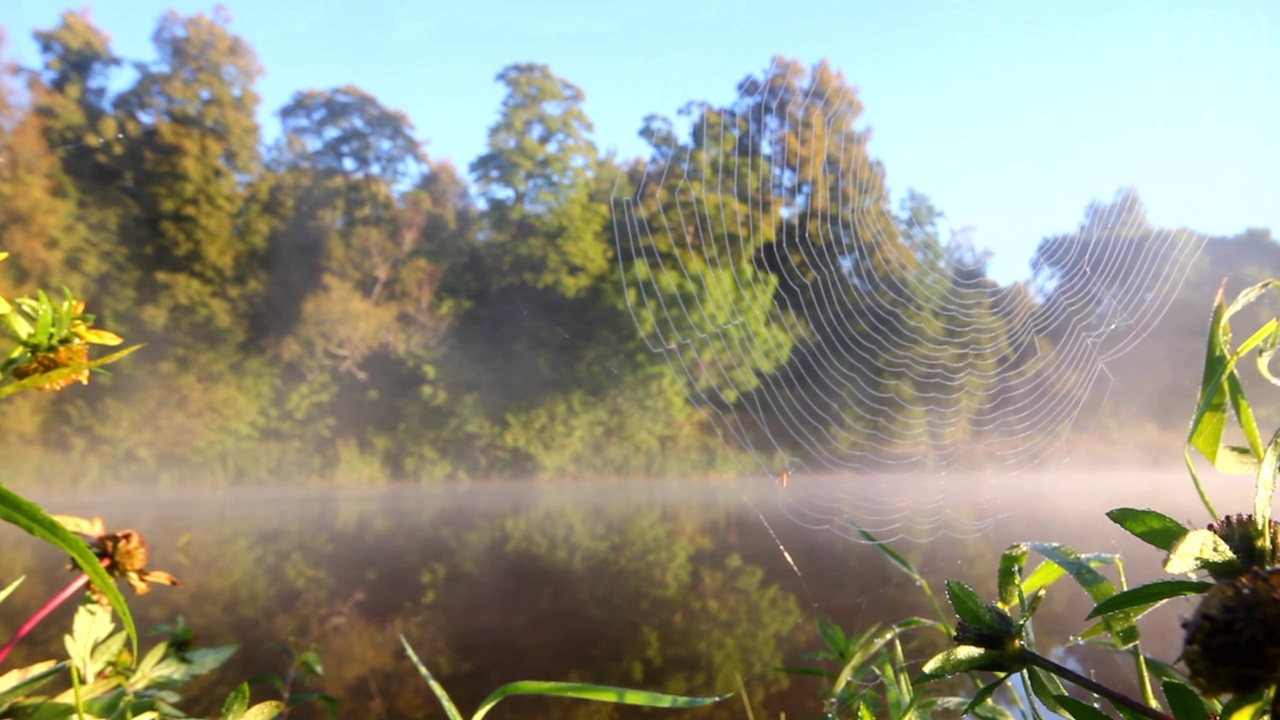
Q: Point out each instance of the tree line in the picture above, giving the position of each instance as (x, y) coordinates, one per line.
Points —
(337, 304)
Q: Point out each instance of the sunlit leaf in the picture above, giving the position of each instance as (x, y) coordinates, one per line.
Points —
(1009, 575)
(959, 659)
(1249, 706)
(22, 681)
(1149, 526)
(99, 337)
(237, 702)
(264, 710)
(17, 510)
(1201, 549)
(5, 593)
(1151, 594)
(1098, 587)
(1264, 491)
(599, 693)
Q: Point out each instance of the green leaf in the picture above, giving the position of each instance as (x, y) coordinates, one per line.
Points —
(1080, 710)
(1151, 594)
(599, 693)
(1265, 489)
(1201, 549)
(894, 556)
(5, 593)
(1249, 706)
(970, 608)
(1121, 627)
(1045, 574)
(17, 510)
(866, 650)
(449, 708)
(264, 710)
(1149, 526)
(1046, 687)
(1184, 702)
(44, 319)
(581, 691)
(834, 637)
(23, 681)
(1009, 576)
(956, 660)
(329, 702)
(310, 663)
(236, 704)
(206, 660)
(984, 695)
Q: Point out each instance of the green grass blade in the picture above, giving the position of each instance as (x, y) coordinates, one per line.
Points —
(4, 594)
(17, 510)
(598, 693)
(894, 556)
(1094, 584)
(449, 708)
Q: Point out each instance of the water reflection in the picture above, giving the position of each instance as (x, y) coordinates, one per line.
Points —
(672, 587)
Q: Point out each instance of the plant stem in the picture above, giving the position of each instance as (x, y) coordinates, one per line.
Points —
(44, 611)
(1095, 687)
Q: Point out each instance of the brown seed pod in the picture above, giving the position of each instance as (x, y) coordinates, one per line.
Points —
(1233, 638)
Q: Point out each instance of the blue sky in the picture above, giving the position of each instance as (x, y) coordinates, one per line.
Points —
(1011, 115)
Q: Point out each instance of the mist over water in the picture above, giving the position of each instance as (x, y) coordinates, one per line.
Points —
(672, 586)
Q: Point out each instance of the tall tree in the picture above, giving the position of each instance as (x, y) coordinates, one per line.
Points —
(354, 306)
(545, 230)
(195, 169)
(70, 99)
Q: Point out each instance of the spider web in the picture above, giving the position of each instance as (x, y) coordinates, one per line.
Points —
(864, 363)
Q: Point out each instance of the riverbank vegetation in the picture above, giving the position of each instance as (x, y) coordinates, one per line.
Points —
(338, 305)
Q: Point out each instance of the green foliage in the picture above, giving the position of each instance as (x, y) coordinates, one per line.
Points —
(579, 691)
(1227, 641)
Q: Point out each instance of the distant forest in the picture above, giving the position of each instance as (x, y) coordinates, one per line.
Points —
(339, 306)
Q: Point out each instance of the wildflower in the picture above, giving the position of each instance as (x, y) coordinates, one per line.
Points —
(1241, 534)
(1233, 638)
(41, 350)
(124, 552)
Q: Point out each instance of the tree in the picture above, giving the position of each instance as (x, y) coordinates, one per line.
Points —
(543, 228)
(72, 111)
(195, 170)
(833, 209)
(354, 311)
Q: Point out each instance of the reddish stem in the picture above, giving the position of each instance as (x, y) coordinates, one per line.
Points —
(42, 613)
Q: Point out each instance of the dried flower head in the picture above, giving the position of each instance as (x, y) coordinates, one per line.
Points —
(1240, 533)
(124, 550)
(65, 356)
(1233, 638)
